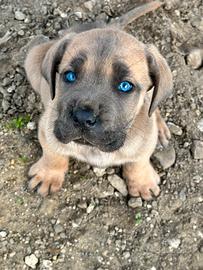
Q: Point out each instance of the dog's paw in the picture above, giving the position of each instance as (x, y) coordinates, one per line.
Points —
(45, 180)
(144, 183)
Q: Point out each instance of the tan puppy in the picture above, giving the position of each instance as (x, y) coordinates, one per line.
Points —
(100, 88)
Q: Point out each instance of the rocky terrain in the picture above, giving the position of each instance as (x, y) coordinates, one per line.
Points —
(91, 224)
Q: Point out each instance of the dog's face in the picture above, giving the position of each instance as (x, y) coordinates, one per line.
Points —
(99, 79)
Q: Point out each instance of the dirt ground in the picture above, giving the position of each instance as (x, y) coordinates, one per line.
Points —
(89, 225)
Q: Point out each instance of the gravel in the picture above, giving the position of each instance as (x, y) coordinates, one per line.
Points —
(135, 202)
(163, 234)
(197, 149)
(166, 157)
(20, 16)
(200, 125)
(31, 261)
(118, 183)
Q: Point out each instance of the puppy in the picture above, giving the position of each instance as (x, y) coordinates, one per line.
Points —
(101, 89)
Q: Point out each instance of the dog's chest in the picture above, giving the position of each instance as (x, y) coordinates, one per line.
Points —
(94, 156)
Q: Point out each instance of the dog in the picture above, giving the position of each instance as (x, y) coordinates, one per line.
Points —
(100, 88)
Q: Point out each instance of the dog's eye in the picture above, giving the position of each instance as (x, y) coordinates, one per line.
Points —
(125, 86)
(70, 77)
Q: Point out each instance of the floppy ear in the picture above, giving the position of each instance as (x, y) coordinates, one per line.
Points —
(51, 62)
(161, 76)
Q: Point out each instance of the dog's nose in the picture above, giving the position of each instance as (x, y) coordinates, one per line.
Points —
(85, 117)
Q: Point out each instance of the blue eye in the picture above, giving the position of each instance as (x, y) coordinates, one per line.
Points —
(69, 76)
(125, 86)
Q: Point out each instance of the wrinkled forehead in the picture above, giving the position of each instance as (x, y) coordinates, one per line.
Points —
(105, 48)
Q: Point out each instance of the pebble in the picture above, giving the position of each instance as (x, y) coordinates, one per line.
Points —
(175, 129)
(82, 205)
(166, 157)
(126, 254)
(58, 228)
(3, 234)
(46, 264)
(89, 5)
(19, 16)
(195, 58)
(31, 261)
(182, 194)
(21, 33)
(174, 243)
(31, 125)
(78, 14)
(135, 202)
(99, 171)
(200, 125)
(197, 149)
(90, 207)
(118, 183)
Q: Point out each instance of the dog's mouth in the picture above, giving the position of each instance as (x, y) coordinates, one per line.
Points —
(83, 142)
(106, 141)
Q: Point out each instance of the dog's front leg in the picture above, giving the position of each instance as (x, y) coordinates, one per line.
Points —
(47, 174)
(142, 179)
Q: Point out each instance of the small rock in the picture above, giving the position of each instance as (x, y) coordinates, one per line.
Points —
(89, 5)
(58, 228)
(175, 129)
(5, 105)
(166, 157)
(6, 81)
(174, 243)
(3, 234)
(126, 255)
(82, 205)
(195, 58)
(19, 16)
(31, 125)
(90, 207)
(200, 125)
(118, 183)
(46, 264)
(197, 149)
(182, 195)
(106, 193)
(78, 14)
(99, 171)
(135, 202)
(31, 261)
(21, 33)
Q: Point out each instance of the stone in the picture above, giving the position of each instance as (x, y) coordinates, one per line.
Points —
(31, 125)
(118, 183)
(135, 202)
(19, 16)
(31, 261)
(166, 157)
(200, 125)
(78, 14)
(89, 5)
(195, 58)
(46, 264)
(3, 234)
(90, 207)
(99, 171)
(126, 254)
(58, 228)
(197, 149)
(175, 129)
(21, 33)
(174, 243)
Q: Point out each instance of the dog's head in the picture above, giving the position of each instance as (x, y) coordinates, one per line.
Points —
(98, 80)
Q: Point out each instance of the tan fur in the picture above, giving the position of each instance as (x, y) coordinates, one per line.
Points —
(141, 137)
